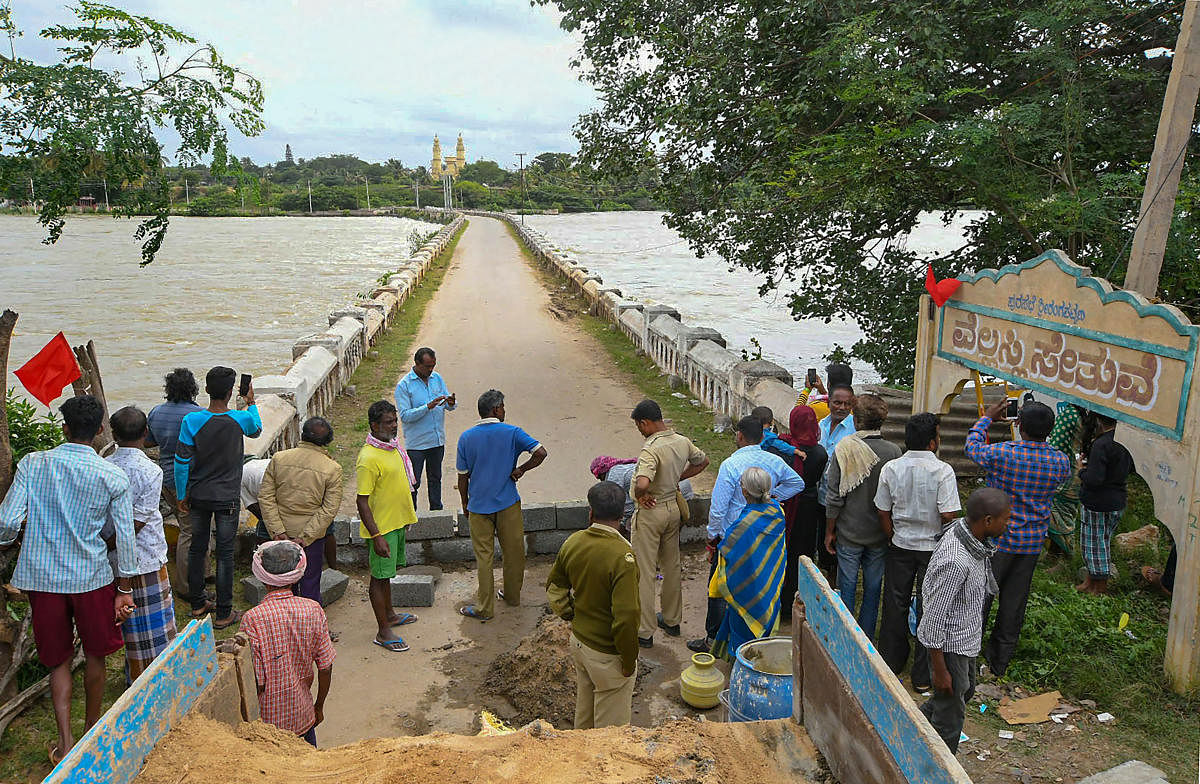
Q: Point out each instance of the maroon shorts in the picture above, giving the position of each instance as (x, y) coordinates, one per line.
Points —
(91, 613)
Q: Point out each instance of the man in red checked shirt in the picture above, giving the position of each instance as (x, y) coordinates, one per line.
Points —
(288, 637)
(1029, 471)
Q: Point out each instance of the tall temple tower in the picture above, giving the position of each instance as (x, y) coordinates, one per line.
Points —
(451, 164)
(435, 166)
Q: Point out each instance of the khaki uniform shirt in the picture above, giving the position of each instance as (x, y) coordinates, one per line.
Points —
(301, 493)
(663, 458)
(594, 585)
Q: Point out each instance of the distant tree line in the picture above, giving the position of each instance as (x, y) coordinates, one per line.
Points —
(552, 180)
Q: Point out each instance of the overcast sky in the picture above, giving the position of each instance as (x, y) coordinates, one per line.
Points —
(378, 78)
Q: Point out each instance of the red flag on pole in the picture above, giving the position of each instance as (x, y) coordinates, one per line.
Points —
(940, 290)
(49, 370)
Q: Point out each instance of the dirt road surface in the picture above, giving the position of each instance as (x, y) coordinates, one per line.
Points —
(492, 326)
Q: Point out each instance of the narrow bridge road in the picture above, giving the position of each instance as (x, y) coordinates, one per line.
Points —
(492, 328)
(491, 325)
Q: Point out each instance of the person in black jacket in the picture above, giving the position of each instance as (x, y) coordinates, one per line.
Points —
(803, 512)
(1102, 493)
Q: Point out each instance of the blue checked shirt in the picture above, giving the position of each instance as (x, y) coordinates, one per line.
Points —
(727, 499)
(831, 434)
(65, 496)
(1030, 472)
(423, 428)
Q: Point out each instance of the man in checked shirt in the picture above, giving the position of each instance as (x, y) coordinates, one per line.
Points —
(1029, 471)
(288, 636)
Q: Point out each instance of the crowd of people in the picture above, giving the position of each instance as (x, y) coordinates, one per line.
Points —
(831, 488)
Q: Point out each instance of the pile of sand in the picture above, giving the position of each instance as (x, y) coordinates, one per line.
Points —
(201, 750)
(538, 677)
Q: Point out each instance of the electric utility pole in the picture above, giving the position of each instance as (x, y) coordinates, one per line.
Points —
(105, 180)
(1166, 163)
(417, 195)
(310, 197)
(524, 193)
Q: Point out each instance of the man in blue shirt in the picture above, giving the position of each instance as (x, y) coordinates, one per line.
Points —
(208, 483)
(728, 502)
(65, 496)
(180, 390)
(833, 428)
(487, 483)
(423, 400)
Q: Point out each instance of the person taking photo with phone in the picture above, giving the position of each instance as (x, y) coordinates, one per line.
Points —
(423, 400)
(208, 483)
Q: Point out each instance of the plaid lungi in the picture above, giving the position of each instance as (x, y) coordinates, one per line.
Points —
(152, 625)
(1095, 538)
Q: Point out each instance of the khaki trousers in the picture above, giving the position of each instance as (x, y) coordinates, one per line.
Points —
(603, 695)
(656, 542)
(508, 526)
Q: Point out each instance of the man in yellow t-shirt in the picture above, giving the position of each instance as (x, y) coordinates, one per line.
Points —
(385, 506)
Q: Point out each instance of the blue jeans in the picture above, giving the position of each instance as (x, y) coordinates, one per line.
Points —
(431, 461)
(851, 558)
(203, 515)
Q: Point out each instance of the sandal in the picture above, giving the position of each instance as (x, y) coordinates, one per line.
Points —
(471, 611)
(233, 618)
(208, 607)
(397, 645)
(54, 754)
(403, 619)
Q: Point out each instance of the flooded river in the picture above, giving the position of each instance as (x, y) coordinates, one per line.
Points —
(634, 252)
(231, 291)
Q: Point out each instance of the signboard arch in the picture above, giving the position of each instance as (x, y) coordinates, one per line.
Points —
(1047, 325)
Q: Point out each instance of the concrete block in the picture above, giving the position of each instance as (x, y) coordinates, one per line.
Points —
(355, 526)
(431, 525)
(546, 542)
(353, 554)
(699, 508)
(333, 586)
(693, 533)
(341, 530)
(463, 524)
(253, 590)
(538, 517)
(412, 590)
(1132, 772)
(571, 515)
(415, 553)
(451, 550)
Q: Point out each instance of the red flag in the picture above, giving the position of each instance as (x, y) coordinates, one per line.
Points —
(940, 290)
(49, 370)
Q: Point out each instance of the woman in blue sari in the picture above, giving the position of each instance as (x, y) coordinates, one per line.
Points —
(750, 571)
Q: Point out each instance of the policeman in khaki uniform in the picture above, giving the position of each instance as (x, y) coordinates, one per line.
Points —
(666, 459)
(594, 585)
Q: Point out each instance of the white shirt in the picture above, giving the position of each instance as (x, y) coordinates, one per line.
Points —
(917, 488)
(145, 489)
(252, 479)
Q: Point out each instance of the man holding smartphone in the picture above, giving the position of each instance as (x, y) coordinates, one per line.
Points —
(423, 400)
(208, 484)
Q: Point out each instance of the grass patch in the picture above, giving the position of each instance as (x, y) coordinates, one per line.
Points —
(695, 422)
(1072, 642)
(375, 378)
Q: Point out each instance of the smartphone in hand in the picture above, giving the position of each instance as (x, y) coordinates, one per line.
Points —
(244, 385)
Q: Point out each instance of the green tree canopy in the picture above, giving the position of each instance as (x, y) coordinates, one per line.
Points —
(484, 173)
(74, 120)
(804, 139)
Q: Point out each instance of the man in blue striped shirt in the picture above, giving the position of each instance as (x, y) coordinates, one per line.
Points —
(423, 400)
(65, 496)
(728, 502)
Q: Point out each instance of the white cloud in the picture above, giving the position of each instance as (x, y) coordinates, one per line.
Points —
(379, 79)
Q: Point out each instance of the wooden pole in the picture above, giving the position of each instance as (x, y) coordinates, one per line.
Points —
(1162, 181)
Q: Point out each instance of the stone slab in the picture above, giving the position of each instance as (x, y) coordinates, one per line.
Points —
(1132, 772)
(432, 525)
(546, 542)
(538, 517)
(699, 507)
(333, 586)
(341, 530)
(689, 534)
(571, 515)
(412, 590)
